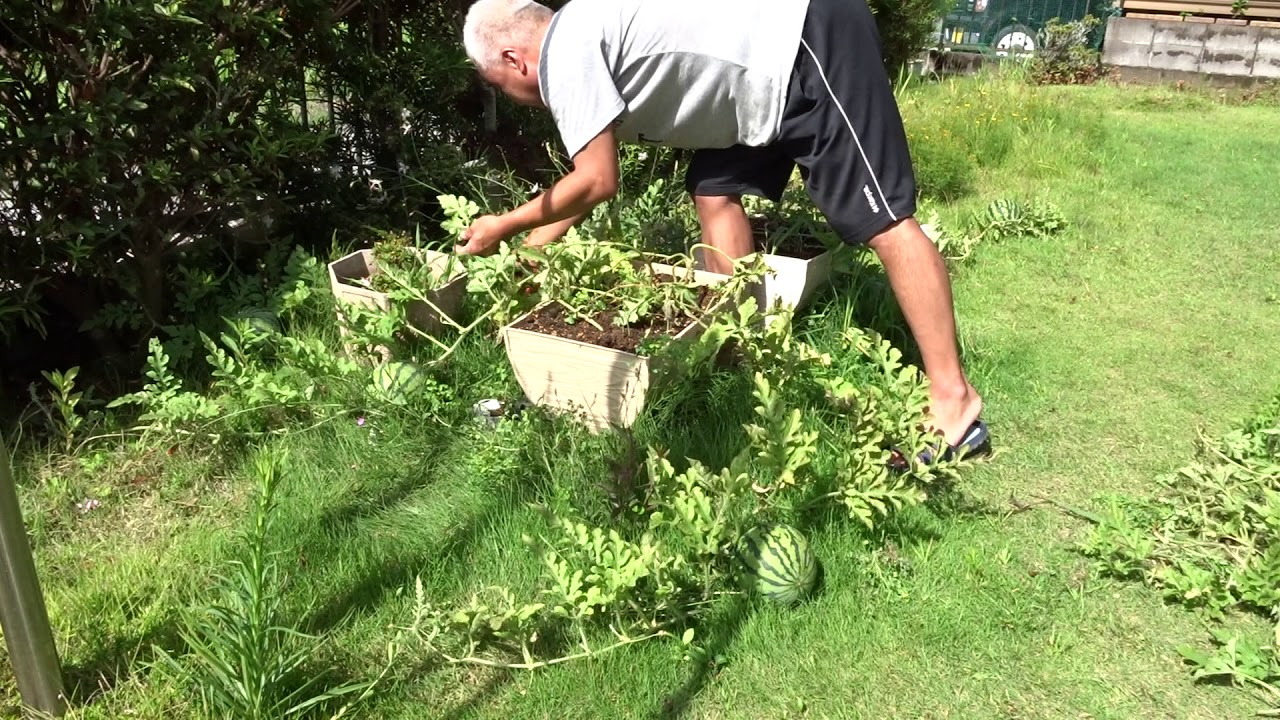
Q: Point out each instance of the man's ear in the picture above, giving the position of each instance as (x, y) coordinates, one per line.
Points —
(514, 59)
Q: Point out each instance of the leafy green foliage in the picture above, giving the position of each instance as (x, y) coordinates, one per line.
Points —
(906, 27)
(503, 281)
(130, 125)
(656, 584)
(1068, 55)
(66, 398)
(600, 282)
(1002, 219)
(1008, 217)
(459, 212)
(1211, 541)
(165, 405)
(404, 270)
(269, 382)
(785, 445)
(151, 150)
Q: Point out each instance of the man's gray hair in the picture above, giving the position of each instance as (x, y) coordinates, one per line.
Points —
(494, 24)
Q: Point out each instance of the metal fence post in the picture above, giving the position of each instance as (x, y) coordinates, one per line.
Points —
(23, 615)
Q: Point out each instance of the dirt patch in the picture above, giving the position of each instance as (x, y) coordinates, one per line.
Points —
(552, 320)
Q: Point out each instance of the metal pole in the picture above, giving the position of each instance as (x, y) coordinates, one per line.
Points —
(23, 616)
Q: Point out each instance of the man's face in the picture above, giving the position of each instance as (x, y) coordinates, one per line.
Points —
(515, 77)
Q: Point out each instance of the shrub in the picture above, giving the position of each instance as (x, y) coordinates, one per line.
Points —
(1068, 55)
(905, 27)
(144, 145)
(164, 125)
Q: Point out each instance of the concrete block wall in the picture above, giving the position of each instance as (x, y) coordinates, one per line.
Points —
(1176, 47)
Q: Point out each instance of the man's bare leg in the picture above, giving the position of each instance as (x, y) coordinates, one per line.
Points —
(920, 282)
(726, 228)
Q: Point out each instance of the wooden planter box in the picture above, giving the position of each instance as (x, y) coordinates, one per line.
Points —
(792, 280)
(603, 387)
(789, 280)
(362, 265)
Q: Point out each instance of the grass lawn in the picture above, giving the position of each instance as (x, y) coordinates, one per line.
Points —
(1099, 352)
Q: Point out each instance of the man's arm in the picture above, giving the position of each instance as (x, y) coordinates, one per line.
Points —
(547, 234)
(593, 180)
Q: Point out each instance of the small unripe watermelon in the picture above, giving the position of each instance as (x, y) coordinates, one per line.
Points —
(779, 561)
(260, 321)
(399, 380)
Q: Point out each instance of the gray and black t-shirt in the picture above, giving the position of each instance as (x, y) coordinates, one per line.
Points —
(682, 73)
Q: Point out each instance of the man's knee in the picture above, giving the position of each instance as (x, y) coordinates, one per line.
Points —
(717, 203)
(901, 233)
(718, 208)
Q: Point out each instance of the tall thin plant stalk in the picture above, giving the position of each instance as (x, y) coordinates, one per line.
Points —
(242, 661)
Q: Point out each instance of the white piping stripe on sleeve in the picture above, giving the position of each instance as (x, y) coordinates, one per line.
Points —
(822, 74)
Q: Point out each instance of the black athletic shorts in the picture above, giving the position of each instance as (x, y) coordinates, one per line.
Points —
(841, 125)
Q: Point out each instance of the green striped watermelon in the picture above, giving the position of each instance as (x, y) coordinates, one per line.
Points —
(397, 380)
(780, 562)
(260, 321)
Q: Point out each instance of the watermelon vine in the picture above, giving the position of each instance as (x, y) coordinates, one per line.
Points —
(597, 583)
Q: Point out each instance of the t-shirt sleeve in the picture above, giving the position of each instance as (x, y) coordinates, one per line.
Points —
(578, 88)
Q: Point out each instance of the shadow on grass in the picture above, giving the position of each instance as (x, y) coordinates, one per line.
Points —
(395, 570)
(718, 634)
(389, 575)
(860, 291)
(470, 697)
(479, 697)
(117, 657)
(701, 416)
(948, 500)
(360, 506)
(116, 663)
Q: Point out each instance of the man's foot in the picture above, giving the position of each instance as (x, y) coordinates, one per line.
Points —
(952, 412)
(947, 412)
(976, 441)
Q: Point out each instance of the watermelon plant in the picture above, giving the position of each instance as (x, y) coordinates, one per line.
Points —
(255, 375)
(603, 284)
(257, 321)
(707, 532)
(1210, 540)
(402, 265)
(402, 289)
(401, 262)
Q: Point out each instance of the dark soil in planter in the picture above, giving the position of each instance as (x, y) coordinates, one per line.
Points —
(550, 320)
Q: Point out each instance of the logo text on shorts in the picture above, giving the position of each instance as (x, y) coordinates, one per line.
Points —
(875, 207)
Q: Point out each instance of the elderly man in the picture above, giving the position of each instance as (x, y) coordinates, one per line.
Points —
(755, 87)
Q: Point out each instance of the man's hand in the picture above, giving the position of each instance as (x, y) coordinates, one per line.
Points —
(483, 235)
(593, 180)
